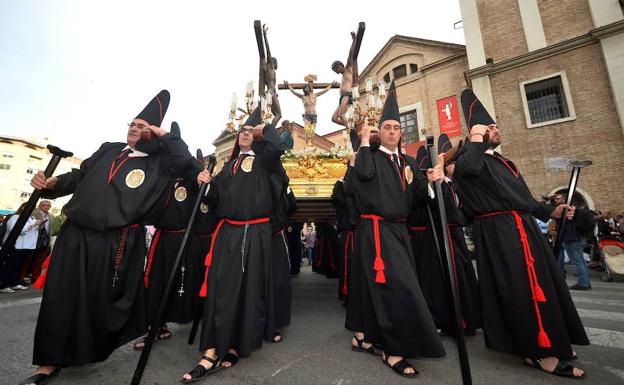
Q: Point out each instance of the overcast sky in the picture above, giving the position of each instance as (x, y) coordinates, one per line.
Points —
(78, 71)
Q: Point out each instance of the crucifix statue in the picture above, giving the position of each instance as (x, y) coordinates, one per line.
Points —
(266, 76)
(349, 74)
(308, 97)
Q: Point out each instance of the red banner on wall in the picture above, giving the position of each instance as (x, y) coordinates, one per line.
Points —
(448, 116)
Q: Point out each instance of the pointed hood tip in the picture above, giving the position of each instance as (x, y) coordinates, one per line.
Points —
(154, 112)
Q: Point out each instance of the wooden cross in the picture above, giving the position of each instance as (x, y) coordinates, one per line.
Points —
(300, 86)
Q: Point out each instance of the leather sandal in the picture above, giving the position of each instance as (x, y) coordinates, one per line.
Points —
(164, 333)
(231, 358)
(200, 370)
(277, 338)
(563, 369)
(41, 378)
(373, 349)
(400, 366)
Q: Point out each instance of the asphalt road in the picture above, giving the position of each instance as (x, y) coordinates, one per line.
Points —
(316, 348)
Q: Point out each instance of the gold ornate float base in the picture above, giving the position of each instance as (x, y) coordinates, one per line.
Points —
(312, 176)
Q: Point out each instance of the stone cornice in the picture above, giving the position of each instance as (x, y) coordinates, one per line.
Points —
(591, 37)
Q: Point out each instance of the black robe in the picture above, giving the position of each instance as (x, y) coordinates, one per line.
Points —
(205, 224)
(285, 205)
(346, 221)
(433, 269)
(494, 192)
(83, 317)
(182, 303)
(239, 272)
(394, 311)
(293, 231)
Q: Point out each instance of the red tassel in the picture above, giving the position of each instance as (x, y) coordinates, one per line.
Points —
(542, 339)
(203, 292)
(539, 294)
(345, 290)
(379, 264)
(380, 277)
(40, 282)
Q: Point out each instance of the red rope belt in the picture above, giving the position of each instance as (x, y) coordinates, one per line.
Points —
(347, 241)
(537, 293)
(150, 254)
(378, 265)
(417, 228)
(203, 292)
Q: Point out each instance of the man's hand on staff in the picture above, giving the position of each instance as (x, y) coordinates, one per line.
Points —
(39, 181)
(437, 172)
(204, 177)
(558, 212)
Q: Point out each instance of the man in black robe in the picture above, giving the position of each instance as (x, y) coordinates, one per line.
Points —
(293, 236)
(347, 220)
(93, 300)
(238, 277)
(285, 205)
(432, 266)
(394, 312)
(526, 306)
(170, 227)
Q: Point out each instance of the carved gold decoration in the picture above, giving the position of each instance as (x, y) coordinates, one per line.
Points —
(314, 177)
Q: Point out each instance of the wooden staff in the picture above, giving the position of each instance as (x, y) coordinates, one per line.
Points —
(464, 362)
(576, 170)
(57, 155)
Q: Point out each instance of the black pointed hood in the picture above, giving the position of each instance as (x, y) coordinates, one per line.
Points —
(422, 158)
(255, 118)
(444, 144)
(175, 129)
(154, 112)
(474, 112)
(391, 106)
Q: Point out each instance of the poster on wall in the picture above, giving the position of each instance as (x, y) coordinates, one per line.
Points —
(448, 116)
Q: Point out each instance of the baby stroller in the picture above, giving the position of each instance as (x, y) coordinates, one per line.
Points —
(612, 257)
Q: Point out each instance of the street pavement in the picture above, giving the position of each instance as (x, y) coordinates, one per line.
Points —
(316, 349)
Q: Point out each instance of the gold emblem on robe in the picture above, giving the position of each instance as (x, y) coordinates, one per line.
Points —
(135, 178)
(247, 163)
(409, 174)
(180, 193)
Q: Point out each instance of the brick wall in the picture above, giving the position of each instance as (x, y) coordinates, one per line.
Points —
(564, 19)
(594, 135)
(501, 29)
